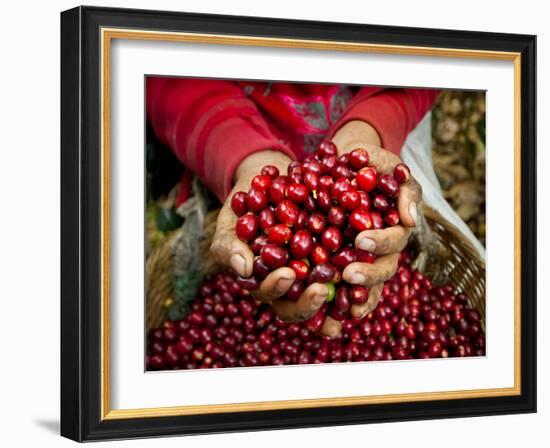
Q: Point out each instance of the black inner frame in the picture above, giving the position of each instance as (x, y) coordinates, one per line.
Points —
(81, 223)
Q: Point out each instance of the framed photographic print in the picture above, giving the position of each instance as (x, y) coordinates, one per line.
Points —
(277, 224)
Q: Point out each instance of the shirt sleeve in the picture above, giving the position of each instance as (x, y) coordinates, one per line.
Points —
(210, 125)
(392, 112)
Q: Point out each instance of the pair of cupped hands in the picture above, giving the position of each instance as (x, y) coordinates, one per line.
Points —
(385, 243)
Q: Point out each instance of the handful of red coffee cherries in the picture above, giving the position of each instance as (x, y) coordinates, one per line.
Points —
(308, 218)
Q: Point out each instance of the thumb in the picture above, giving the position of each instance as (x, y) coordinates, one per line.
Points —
(227, 248)
(407, 203)
(241, 258)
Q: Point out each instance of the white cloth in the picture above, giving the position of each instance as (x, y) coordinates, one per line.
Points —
(417, 154)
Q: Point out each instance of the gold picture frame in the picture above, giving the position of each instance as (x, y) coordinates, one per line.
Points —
(106, 33)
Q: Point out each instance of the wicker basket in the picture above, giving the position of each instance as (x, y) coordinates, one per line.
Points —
(455, 261)
(461, 264)
(159, 267)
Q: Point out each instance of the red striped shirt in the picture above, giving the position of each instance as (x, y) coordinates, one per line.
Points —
(213, 125)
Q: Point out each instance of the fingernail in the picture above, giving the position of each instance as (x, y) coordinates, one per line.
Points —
(358, 279)
(367, 244)
(333, 330)
(283, 283)
(336, 330)
(318, 300)
(412, 211)
(238, 263)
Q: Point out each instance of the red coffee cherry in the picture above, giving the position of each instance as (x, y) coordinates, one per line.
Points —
(360, 220)
(287, 212)
(367, 178)
(301, 244)
(359, 158)
(279, 234)
(332, 239)
(274, 256)
(271, 171)
(238, 203)
(247, 227)
(256, 200)
(388, 185)
(261, 182)
(401, 173)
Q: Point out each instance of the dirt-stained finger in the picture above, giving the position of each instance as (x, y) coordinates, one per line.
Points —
(331, 328)
(360, 311)
(275, 285)
(410, 195)
(369, 274)
(383, 241)
(227, 248)
(305, 307)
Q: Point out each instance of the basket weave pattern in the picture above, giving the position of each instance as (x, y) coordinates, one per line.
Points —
(462, 266)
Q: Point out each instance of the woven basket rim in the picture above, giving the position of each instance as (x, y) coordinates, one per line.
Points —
(434, 215)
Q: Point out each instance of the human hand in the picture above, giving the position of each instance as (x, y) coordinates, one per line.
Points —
(232, 252)
(385, 243)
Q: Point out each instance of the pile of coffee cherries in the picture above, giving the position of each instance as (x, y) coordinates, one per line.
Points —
(308, 219)
(227, 328)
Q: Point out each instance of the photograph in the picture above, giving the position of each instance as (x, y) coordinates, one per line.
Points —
(306, 223)
(276, 224)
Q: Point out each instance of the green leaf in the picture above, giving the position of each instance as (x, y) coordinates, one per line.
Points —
(168, 219)
(186, 286)
(177, 311)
